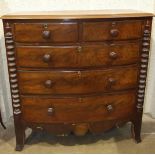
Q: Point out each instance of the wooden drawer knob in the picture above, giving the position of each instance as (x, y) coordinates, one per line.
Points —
(110, 108)
(113, 55)
(49, 83)
(114, 32)
(46, 34)
(46, 58)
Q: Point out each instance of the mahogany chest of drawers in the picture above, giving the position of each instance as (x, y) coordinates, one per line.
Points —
(77, 72)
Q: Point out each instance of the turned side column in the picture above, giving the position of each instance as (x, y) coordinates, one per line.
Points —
(12, 70)
(137, 122)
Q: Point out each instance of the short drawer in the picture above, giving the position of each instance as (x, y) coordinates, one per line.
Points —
(84, 109)
(77, 82)
(112, 30)
(46, 32)
(78, 56)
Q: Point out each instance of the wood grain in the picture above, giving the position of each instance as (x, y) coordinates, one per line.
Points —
(104, 55)
(59, 32)
(90, 109)
(100, 31)
(77, 82)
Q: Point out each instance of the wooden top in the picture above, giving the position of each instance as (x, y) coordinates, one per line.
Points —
(79, 14)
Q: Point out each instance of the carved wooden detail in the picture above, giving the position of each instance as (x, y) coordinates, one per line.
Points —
(143, 65)
(10, 50)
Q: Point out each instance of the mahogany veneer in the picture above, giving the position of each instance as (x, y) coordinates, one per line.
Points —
(76, 71)
(102, 55)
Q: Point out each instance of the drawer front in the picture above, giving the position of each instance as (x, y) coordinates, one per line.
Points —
(99, 31)
(78, 56)
(77, 82)
(50, 32)
(94, 108)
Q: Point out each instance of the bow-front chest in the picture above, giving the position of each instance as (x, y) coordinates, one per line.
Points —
(79, 72)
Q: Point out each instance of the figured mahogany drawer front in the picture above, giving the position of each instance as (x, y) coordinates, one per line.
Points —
(94, 108)
(48, 32)
(78, 56)
(77, 82)
(110, 30)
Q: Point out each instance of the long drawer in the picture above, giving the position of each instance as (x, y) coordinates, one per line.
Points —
(113, 54)
(92, 108)
(112, 30)
(46, 32)
(77, 82)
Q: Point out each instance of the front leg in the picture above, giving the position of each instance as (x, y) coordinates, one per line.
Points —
(136, 131)
(20, 133)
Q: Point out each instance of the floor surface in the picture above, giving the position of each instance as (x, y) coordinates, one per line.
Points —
(114, 141)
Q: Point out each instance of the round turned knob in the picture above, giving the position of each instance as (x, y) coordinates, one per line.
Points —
(49, 83)
(110, 108)
(114, 32)
(50, 111)
(46, 34)
(113, 55)
(46, 58)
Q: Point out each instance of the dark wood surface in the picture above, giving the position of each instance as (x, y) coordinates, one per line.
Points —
(80, 75)
(76, 109)
(102, 55)
(77, 82)
(45, 32)
(113, 30)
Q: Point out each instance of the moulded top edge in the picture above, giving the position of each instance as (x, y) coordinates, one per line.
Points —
(78, 14)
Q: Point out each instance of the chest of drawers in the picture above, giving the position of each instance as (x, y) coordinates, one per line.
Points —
(76, 71)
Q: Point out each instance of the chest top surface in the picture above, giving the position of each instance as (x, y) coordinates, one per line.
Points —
(78, 14)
